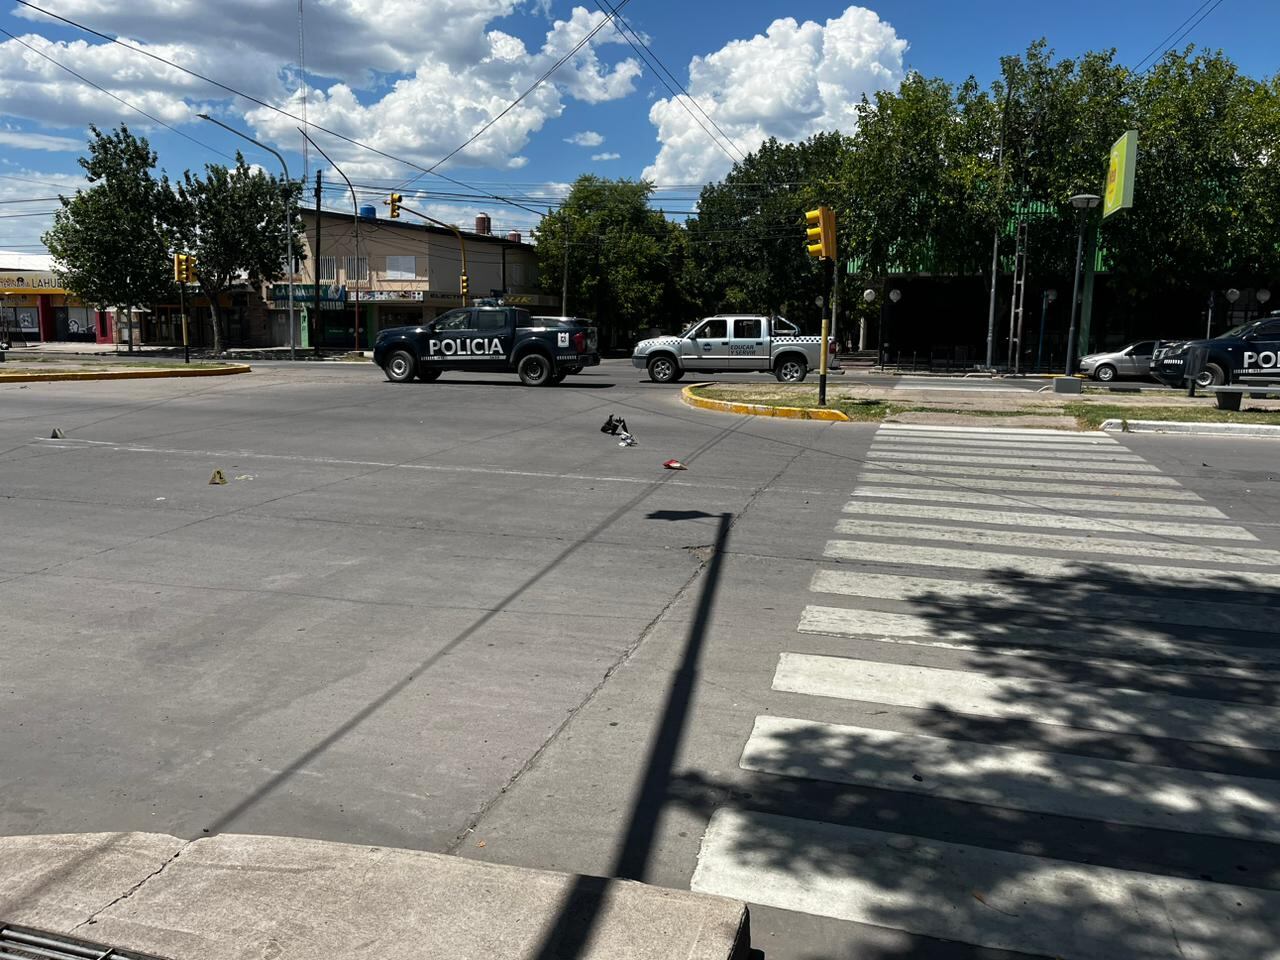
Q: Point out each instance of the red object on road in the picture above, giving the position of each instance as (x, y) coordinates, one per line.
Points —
(675, 465)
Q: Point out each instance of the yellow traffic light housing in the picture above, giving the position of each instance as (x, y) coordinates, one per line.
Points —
(820, 233)
(462, 286)
(184, 268)
(395, 206)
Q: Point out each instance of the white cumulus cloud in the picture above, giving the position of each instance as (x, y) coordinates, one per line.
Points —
(790, 82)
(585, 138)
(606, 156)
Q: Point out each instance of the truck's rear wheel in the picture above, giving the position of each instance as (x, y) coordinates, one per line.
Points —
(663, 369)
(791, 370)
(1211, 376)
(399, 368)
(534, 370)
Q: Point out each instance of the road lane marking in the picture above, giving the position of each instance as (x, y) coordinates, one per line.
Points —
(981, 464)
(1015, 432)
(1042, 597)
(1082, 569)
(1055, 452)
(1032, 473)
(1083, 543)
(1037, 781)
(979, 483)
(1047, 503)
(1123, 650)
(1051, 521)
(991, 898)
(1075, 705)
(1000, 442)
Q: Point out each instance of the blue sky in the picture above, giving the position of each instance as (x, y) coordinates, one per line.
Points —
(416, 79)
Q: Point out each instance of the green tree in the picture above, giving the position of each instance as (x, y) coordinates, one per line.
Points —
(111, 242)
(234, 221)
(624, 258)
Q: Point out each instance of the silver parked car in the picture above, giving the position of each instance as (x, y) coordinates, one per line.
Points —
(1131, 361)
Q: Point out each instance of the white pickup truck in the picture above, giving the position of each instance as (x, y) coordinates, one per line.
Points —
(733, 343)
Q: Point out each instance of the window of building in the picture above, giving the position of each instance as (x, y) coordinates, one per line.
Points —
(357, 269)
(329, 268)
(402, 268)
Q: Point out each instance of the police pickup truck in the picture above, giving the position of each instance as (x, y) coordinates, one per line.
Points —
(732, 343)
(542, 350)
(1244, 355)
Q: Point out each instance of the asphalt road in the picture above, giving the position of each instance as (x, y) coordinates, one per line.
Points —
(456, 616)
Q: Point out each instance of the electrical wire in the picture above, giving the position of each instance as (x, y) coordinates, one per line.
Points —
(99, 87)
(252, 99)
(516, 102)
(1162, 49)
(659, 69)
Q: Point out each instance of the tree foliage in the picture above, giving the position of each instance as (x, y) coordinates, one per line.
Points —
(624, 259)
(111, 242)
(237, 222)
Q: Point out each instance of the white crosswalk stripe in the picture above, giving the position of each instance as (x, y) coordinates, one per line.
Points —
(1046, 597)
(1054, 521)
(915, 478)
(1133, 685)
(1099, 463)
(1020, 501)
(1082, 542)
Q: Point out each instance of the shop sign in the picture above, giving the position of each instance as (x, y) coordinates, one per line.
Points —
(332, 297)
(382, 296)
(14, 282)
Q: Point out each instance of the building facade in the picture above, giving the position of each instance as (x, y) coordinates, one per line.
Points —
(402, 273)
(34, 307)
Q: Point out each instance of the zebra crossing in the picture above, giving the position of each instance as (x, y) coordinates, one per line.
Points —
(1033, 705)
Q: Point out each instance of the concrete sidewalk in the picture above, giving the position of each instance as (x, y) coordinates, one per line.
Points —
(234, 897)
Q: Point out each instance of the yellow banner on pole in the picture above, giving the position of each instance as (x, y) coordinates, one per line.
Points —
(1124, 161)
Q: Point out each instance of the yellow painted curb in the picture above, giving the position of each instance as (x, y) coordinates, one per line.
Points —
(126, 374)
(756, 409)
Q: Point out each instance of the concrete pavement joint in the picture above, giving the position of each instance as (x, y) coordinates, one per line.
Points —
(79, 375)
(93, 917)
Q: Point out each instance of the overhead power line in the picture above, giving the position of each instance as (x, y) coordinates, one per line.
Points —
(1164, 46)
(252, 99)
(99, 87)
(659, 68)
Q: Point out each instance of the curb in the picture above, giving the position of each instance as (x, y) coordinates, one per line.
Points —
(1208, 429)
(756, 409)
(225, 371)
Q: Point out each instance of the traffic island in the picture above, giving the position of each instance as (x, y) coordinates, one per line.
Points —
(56, 371)
(235, 897)
(1006, 408)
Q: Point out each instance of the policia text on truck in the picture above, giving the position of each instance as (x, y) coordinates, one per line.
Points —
(542, 350)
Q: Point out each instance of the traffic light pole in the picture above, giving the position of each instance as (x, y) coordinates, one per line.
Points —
(829, 270)
(462, 246)
(182, 308)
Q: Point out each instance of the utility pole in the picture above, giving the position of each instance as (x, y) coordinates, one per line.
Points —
(995, 240)
(355, 219)
(1016, 298)
(315, 256)
(564, 283)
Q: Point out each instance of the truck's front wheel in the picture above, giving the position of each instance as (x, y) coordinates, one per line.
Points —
(664, 370)
(399, 368)
(791, 370)
(1211, 376)
(534, 370)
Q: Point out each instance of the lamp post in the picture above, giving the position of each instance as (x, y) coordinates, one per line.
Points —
(1263, 296)
(894, 296)
(1046, 298)
(869, 297)
(288, 220)
(355, 218)
(1083, 202)
(1232, 296)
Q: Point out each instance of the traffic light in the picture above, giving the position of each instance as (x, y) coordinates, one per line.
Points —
(820, 236)
(184, 268)
(462, 286)
(395, 206)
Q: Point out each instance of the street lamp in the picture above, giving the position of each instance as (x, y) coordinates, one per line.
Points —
(1084, 202)
(355, 220)
(1046, 298)
(1263, 296)
(894, 296)
(288, 219)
